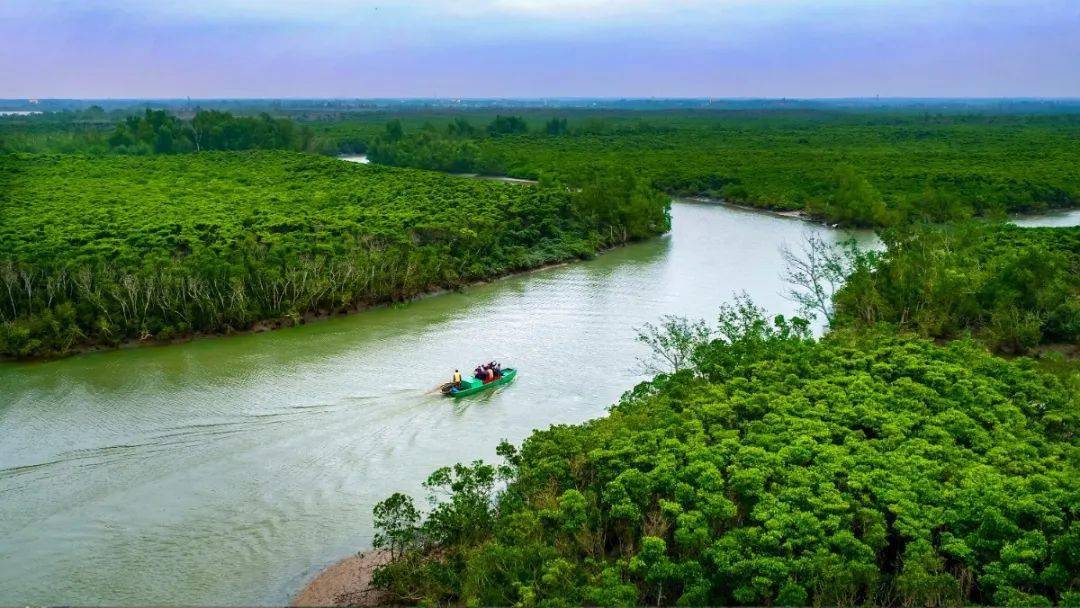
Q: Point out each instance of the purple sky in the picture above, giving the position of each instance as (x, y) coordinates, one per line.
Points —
(539, 48)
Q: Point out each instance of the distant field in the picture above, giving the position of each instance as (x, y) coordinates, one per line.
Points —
(104, 249)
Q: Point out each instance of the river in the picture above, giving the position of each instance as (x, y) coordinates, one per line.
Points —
(229, 471)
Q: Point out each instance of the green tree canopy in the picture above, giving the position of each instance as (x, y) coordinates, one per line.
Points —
(857, 469)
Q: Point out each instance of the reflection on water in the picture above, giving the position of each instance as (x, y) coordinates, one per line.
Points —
(228, 471)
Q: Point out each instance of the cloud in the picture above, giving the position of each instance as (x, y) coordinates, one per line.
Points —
(539, 47)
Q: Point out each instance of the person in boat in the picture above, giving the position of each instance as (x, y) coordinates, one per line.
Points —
(478, 373)
(457, 379)
(490, 375)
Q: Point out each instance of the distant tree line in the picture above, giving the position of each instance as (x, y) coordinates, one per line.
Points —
(885, 170)
(850, 168)
(159, 132)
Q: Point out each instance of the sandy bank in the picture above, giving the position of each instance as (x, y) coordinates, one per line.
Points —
(346, 583)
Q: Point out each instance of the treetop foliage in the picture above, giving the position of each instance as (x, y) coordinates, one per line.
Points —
(159, 132)
(1014, 288)
(863, 168)
(860, 468)
(98, 250)
(860, 170)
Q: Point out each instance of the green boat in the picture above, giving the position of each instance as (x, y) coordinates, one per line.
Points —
(471, 386)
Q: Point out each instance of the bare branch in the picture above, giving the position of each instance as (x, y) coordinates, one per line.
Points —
(671, 343)
(816, 272)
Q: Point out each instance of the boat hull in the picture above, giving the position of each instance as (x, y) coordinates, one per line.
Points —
(474, 386)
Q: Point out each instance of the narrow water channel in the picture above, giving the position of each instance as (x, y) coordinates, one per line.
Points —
(229, 471)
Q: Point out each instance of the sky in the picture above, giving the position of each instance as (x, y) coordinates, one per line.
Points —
(539, 48)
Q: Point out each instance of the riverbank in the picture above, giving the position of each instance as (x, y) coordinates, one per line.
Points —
(346, 583)
(241, 241)
(794, 214)
(266, 325)
(782, 373)
(277, 445)
(250, 463)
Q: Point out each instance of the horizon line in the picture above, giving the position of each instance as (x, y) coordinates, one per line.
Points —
(28, 99)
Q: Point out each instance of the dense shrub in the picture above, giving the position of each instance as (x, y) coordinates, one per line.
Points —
(160, 132)
(854, 167)
(854, 470)
(101, 250)
(869, 169)
(1012, 287)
